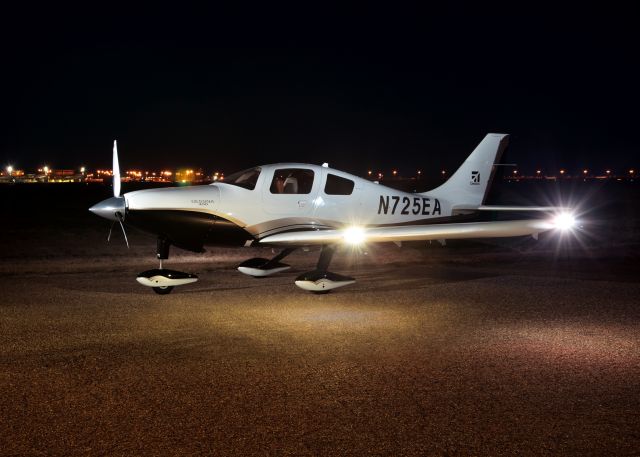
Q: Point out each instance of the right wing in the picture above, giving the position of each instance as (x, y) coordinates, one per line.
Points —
(395, 233)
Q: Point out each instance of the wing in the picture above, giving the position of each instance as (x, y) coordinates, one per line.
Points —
(354, 235)
(510, 208)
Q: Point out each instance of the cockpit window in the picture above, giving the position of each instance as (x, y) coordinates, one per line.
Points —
(245, 178)
(292, 181)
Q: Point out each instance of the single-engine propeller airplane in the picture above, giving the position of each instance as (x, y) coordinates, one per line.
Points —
(294, 205)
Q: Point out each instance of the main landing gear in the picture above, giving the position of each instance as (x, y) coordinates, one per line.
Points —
(162, 280)
(321, 280)
(260, 268)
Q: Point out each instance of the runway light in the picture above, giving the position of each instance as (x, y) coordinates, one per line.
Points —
(9, 170)
(564, 221)
(354, 235)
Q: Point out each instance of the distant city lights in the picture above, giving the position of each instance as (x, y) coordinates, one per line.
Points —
(46, 174)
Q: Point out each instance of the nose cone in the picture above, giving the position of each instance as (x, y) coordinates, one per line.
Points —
(109, 207)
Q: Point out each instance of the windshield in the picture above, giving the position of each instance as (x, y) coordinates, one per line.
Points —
(245, 178)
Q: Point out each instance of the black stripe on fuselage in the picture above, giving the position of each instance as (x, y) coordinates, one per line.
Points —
(293, 228)
(190, 230)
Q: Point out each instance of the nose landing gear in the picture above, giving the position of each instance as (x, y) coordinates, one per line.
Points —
(162, 280)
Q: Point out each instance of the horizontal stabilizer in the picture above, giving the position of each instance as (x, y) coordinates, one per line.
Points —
(497, 229)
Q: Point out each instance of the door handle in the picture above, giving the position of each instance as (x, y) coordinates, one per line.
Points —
(302, 203)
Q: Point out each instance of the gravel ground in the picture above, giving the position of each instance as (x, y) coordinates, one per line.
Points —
(429, 353)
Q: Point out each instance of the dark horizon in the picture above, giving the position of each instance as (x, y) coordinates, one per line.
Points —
(360, 90)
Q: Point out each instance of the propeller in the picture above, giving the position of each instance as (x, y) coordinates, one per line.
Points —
(116, 194)
(116, 170)
(120, 219)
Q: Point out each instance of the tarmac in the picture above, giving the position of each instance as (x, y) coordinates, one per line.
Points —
(467, 350)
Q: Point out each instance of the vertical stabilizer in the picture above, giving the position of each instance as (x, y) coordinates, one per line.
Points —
(470, 183)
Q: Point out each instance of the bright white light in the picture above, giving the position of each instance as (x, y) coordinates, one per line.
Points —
(9, 169)
(564, 221)
(354, 235)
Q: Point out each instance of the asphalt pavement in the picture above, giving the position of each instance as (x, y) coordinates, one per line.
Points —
(436, 353)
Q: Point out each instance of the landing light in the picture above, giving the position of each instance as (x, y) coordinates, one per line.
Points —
(564, 221)
(354, 235)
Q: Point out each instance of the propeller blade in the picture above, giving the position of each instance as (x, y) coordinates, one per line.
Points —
(123, 231)
(116, 171)
(110, 230)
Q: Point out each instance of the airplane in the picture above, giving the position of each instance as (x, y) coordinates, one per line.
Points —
(296, 205)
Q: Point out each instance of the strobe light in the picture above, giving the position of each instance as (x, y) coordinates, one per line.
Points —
(564, 221)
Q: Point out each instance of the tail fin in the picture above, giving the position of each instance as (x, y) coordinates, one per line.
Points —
(470, 183)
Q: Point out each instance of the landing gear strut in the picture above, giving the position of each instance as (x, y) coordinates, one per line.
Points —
(161, 280)
(321, 280)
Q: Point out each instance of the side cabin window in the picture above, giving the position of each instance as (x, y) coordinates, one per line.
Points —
(337, 185)
(292, 181)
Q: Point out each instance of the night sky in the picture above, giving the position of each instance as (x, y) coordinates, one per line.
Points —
(360, 88)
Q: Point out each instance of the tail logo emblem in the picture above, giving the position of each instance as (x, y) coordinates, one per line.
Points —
(475, 177)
